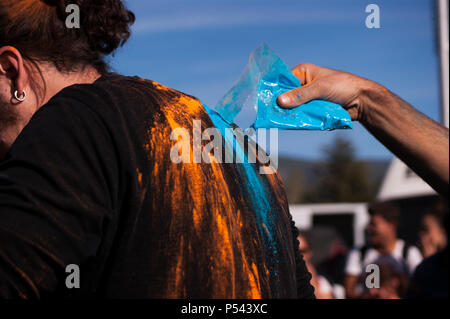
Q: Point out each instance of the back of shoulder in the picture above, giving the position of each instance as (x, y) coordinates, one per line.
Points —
(132, 98)
(111, 92)
(412, 252)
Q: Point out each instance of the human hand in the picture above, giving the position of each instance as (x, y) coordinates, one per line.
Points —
(326, 84)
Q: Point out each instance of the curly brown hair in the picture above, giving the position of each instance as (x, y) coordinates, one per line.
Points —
(38, 30)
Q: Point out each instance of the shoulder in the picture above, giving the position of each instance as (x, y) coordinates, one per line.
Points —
(77, 113)
(68, 111)
(360, 252)
(433, 267)
(353, 265)
(324, 285)
(414, 253)
(134, 98)
(413, 249)
(407, 250)
(117, 100)
(356, 250)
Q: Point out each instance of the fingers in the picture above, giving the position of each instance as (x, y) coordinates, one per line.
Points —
(299, 96)
(305, 72)
(354, 113)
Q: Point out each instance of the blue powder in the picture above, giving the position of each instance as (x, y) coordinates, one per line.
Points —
(264, 79)
(257, 192)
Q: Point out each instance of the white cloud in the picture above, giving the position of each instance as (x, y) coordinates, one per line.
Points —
(169, 16)
(228, 18)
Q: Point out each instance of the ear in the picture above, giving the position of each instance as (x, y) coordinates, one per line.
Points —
(12, 66)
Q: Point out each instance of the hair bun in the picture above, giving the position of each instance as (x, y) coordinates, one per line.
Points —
(105, 23)
(38, 29)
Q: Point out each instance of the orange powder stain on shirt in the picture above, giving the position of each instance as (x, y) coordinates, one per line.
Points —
(254, 283)
(160, 87)
(139, 176)
(202, 213)
(225, 248)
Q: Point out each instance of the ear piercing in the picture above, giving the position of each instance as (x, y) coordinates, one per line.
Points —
(20, 99)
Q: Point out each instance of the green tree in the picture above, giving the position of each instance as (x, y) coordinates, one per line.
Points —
(295, 186)
(341, 178)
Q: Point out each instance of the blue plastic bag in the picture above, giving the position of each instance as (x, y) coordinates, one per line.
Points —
(265, 78)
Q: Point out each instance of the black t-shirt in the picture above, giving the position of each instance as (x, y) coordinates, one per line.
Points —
(430, 279)
(90, 182)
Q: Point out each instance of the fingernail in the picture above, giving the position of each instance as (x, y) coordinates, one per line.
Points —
(284, 100)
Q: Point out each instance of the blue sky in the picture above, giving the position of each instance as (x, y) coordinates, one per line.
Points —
(201, 47)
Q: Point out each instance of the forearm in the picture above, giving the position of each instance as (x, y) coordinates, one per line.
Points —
(417, 140)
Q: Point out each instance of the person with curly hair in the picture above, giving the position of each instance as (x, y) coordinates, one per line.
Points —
(87, 178)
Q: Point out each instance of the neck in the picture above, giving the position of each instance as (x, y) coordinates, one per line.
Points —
(388, 247)
(56, 81)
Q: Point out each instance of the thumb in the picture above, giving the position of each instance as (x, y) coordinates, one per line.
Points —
(299, 96)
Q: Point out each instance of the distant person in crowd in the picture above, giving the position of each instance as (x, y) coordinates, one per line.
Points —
(432, 235)
(333, 267)
(430, 279)
(382, 241)
(393, 280)
(323, 288)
